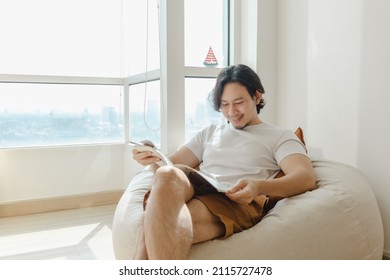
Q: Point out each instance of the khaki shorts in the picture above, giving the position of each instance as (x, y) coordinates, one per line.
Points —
(236, 217)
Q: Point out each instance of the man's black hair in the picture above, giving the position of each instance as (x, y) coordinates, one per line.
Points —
(239, 73)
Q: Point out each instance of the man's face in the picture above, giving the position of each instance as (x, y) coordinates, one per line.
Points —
(238, 107)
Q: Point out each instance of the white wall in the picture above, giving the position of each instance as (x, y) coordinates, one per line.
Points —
(52, 172)
(333, 79)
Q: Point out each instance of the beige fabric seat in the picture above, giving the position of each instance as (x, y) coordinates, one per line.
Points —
(338, 220)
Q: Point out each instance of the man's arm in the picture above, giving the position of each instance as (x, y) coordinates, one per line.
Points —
(184, 156)
(299, 178)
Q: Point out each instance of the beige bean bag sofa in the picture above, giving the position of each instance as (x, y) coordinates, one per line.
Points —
(338, 220)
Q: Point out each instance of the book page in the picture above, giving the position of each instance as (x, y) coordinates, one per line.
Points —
(202, 183)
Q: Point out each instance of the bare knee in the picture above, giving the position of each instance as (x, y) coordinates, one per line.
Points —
(171, 182)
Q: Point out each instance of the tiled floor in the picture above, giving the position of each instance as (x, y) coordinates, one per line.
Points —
(80, 234)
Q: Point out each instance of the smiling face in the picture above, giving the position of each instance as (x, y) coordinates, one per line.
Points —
(238, 107)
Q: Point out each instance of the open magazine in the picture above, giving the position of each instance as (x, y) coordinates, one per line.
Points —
(203, 184)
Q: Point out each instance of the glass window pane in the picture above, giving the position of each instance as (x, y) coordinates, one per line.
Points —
(72, 37)
(51, 114)
(198, 109)
(141, 36)
(144, 109)
(205, 26)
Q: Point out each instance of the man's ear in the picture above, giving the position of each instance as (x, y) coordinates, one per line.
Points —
(258, 96)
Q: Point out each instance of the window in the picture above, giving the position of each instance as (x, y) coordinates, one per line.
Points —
(198, 108)
(206, 33)
(141, 36)
(62, 37)
(56, 57)
(206, 27)
(55, 114)
(145, 116)
(143, 60)
(80, 72)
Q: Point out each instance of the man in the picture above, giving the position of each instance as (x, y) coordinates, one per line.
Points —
(245, 152)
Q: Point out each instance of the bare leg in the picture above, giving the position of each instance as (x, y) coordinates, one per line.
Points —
(173, 221)
(206, 225)
(167, 224)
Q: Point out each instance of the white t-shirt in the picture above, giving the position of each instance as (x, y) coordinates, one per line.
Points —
(255, 152)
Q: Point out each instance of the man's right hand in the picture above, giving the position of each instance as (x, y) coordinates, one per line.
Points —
(144, 157)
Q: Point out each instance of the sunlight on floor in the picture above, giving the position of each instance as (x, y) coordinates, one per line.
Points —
(72, 234)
